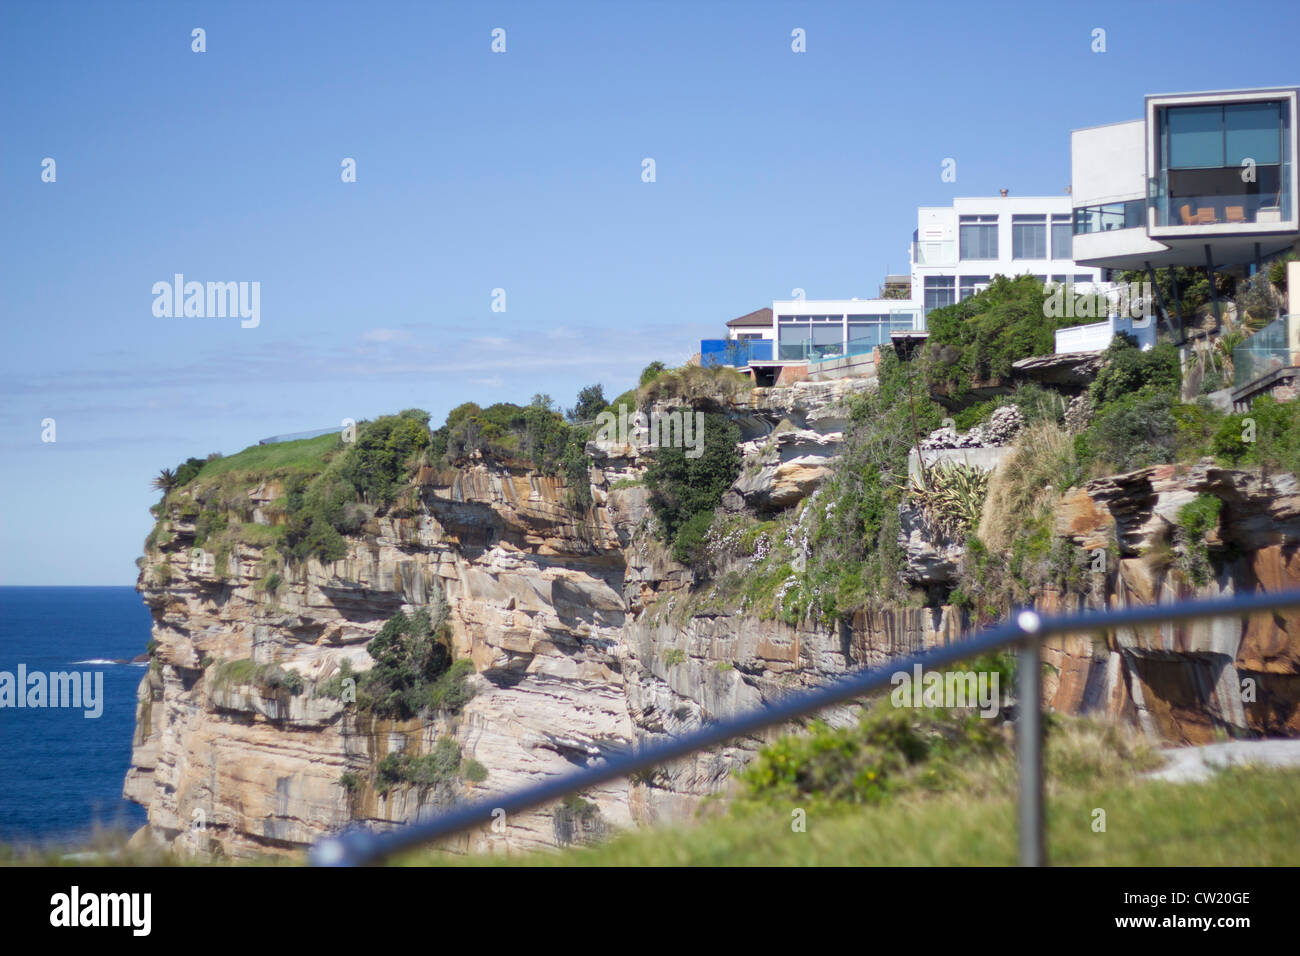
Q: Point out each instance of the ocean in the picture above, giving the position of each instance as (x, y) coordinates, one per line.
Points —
(61, 773)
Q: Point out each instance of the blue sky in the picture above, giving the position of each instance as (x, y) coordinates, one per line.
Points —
(478, 171)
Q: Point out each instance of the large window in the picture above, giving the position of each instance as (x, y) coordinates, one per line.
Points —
(1062, 237)
(979, 237)
(939, 291)
(1029, 237)
(1115, 215)
(1211, 137)
(866, 332)
(1222, 164)
(966, 286)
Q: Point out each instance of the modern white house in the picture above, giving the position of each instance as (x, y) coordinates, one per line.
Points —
(1202, 179)
(955, 252)
(958, 249)
(815, 329)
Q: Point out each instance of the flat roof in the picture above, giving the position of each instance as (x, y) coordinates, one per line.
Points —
(1160, 96)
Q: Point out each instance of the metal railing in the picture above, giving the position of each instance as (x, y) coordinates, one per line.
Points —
(1024, 630)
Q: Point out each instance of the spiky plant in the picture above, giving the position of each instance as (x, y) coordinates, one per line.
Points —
(165, 481)
(951, 497)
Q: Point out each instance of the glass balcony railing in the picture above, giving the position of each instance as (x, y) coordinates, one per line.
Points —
(736, 353)
(1266, 351)
(1218, 197)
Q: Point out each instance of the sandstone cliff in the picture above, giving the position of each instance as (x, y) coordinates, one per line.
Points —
(583, 639)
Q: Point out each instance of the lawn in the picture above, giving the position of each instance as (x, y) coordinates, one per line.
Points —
(1239, 818)
(307, 455)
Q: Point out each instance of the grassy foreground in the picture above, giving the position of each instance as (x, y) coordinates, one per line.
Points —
(1239, 818)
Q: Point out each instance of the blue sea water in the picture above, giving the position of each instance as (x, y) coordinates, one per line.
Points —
(61, 773)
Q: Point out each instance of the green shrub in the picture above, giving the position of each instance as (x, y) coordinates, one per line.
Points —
(439, 770)
(980, 337)
(1128, 370)
(1194, 522)
(685, 491)
(890, 749)
(413, 667)
(651, 372)
(334, 687)
(266, 678)
(1131, 432)
(950, 496)
(379, 461)
(1267, 435)
(1277, 270)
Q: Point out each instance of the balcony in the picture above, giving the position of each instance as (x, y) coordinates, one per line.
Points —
(736, 353)
(857, 335)
(1203, 202)
(1222, 164)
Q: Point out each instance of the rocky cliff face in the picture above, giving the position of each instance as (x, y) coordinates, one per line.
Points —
(574, 625)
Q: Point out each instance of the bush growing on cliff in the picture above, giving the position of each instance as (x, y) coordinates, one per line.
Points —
(685, 491)
(1267, 435)
(267, 678)
(413, 668)
(1194, 522)
(854, 555)
(379, 461)
(410, 653)
(979, 338)
(439, 770)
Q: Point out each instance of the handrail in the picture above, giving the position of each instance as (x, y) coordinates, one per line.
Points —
(1025, 630)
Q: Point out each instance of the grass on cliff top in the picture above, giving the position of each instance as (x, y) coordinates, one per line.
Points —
(308, 455)
(1239, 818)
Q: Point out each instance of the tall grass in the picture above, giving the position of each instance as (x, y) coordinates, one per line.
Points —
(1027, 484)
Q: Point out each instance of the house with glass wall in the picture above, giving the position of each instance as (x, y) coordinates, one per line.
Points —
(813, 330)
(1202, 179)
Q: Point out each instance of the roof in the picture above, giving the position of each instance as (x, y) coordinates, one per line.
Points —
(759, 318)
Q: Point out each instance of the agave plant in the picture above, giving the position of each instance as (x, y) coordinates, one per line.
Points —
(950, 497)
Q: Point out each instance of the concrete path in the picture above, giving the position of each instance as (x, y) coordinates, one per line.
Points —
(1194, 764)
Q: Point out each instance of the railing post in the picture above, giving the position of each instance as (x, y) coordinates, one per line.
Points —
(1029, 745)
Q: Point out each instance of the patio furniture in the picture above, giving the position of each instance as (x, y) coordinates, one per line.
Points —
(1186, 213)
(1206, 216)
(1234, 214)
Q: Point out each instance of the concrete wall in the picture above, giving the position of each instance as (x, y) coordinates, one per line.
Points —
(1108, 163)
(983, 458)
(850, 366)
(1096, 336)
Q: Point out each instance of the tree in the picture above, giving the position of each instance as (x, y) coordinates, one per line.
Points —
(684, 491)
(165, 481)
(591, 402)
